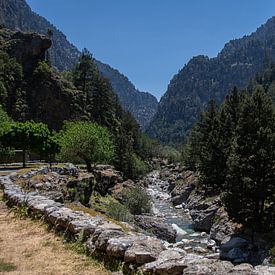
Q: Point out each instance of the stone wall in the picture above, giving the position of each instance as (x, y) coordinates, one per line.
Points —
(137, 251)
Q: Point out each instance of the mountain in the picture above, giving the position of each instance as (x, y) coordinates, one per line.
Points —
(17, 15)
(206, 78)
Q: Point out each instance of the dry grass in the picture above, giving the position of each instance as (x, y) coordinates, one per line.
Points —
(26, 247)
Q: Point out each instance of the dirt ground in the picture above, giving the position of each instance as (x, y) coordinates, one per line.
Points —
(26, 247)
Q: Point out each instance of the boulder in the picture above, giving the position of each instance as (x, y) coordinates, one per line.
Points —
(144, 249)
(234, 242)
(102, 240)
(116, 247)
(157, 227)
(106, 180)
(203, 219)
(168, 262)
(222, 227)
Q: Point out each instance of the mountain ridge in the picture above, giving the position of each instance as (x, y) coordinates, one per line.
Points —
(204, 78)
(17, 15)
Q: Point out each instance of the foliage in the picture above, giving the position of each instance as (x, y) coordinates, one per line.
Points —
(86, 142)
(26, 136)
(7, 267)
(137, 200)
(12, 97)
(43, 69)
(250, 179)
(272, 254)
(119, 212)
(234, 151)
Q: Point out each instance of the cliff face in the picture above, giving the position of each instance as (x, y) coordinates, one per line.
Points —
(206, 78)
(27, 48)
(33, 91)
(17, 15)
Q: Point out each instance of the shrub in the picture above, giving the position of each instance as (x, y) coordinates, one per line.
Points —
(272, 254)
(140, 168)
(137, 200)
(119, 212)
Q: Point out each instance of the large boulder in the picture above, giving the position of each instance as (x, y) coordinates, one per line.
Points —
(168, 262)
(157, 227)
(27, 48)
(182, 190)
(222, 227)
(144, 250)
(203, 219)
(235, 250)
(106, 179)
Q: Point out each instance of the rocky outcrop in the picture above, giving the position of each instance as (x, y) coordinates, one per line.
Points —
(157, 227)
(106, 178)
(67, 184)
(137, 251)
(27, 48)
(17, 15)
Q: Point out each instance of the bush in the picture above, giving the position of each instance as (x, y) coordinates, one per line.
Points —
(119, 212)
(137, 200)
(272, 254)
(140, 168)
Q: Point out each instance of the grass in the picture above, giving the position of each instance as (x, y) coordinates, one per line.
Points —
(40, 250)
(7, 267)
(95, 213)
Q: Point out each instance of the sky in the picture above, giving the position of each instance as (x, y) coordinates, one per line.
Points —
(149, 41)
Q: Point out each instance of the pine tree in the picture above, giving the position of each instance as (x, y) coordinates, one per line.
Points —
(229, 117)
(205, 149)
(249, 185)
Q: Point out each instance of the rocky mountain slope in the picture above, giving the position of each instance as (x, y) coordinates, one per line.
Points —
(17, 15)
(205, 78)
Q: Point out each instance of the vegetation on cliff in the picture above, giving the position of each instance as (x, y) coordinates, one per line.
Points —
(17, 15)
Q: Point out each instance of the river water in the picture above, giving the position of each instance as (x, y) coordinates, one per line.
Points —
(177, 216)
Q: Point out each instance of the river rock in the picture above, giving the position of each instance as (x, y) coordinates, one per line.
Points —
(222, 227)
(234, 242)
(180, 232)
(234, 250)
(116, 247)
(157, 227)
(168, 262)
(144, 249)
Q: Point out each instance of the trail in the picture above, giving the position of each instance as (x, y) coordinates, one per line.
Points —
(28, 248)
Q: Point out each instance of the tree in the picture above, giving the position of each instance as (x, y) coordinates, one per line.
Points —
(84, 72)
(11, 75)
(205, 144)
(249, 188)
(86, 141)
(229, 118)
(26, 136)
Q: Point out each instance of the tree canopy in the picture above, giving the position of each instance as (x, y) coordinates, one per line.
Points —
(86, 142)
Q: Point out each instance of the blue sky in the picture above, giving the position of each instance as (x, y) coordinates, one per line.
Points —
(150, 40)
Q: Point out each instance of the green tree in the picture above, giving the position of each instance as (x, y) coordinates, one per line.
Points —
(250, 188)
(205, 148)
(229, 118)
(26, 136)
(11, 75)
(86, 141)
(84, 72)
